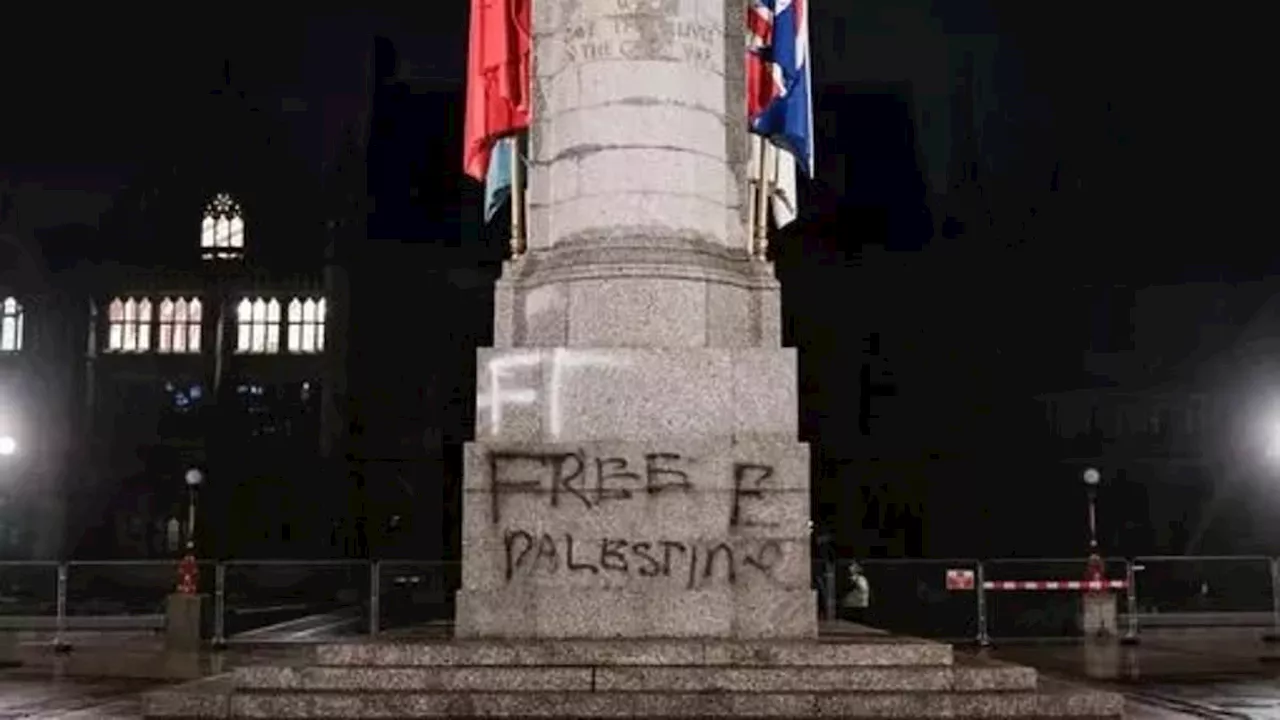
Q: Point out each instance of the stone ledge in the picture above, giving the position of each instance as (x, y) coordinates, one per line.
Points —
(866, 651)
(643, 252)
(963, 678)
(674, 705)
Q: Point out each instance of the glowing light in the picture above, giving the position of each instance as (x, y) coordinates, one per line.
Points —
(8, 445)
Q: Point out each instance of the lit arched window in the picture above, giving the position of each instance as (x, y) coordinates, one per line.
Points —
(10, 325)
(179, 326)
(306, 325)
(129, 325)
(222, 229)
(258, 326)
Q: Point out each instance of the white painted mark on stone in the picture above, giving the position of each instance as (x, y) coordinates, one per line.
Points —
(495, 397)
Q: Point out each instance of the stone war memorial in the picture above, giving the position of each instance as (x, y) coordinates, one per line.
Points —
(635, 504)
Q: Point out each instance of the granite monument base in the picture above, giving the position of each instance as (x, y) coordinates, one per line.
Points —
(621, 539)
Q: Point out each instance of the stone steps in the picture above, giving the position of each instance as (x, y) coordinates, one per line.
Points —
(867, 677)
(963, 678)
(668, 705)
(864, 651)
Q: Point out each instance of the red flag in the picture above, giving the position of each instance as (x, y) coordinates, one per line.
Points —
(498, 101)
(761, 89)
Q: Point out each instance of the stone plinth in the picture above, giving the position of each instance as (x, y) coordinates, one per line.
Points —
(635, 539)
(715, 397)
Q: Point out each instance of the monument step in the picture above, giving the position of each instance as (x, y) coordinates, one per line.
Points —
(863, 651)
(1075, 704)
(968, 676)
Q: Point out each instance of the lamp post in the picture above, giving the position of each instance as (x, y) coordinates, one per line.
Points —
(1091, 479)
(193, 477)
(188, 570)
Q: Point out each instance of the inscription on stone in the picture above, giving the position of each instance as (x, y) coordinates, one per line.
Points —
(644, 30)
(575, 482)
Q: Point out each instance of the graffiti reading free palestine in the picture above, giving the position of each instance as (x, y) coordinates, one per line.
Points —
(574, 480)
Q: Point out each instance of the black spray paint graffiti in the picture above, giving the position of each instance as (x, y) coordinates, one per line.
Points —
(575, 478)
(695, 564)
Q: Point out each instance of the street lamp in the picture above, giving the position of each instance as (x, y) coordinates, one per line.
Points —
(188, 569)
(1091, 479)
(8, 445)
(193, 477)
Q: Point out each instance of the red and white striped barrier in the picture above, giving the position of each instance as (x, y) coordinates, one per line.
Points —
(1025, 585)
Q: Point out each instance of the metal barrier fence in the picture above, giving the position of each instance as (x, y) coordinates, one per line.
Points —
(256, 600)
(1043, 597)
(252, 600)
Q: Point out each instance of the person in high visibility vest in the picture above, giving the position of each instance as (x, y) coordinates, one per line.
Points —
(855, 602)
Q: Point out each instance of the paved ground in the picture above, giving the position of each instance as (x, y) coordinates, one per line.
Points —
(43, 697)
(106, 674)
(1216, 674)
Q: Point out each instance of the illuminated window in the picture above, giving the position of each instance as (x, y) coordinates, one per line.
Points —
(129, 325)
(306, 325)
(179, 326)
(258, 326)
(10, 325)
(222, 230)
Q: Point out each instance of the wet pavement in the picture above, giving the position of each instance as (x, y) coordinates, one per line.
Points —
(38, 696)
(1214, 674)
(106, 674)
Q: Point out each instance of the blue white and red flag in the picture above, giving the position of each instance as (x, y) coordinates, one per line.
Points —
(779, 84)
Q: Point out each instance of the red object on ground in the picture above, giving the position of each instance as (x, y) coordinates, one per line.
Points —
(498, 89)
(188, 575)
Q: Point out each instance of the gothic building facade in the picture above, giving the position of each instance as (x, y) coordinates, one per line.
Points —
(206, 318)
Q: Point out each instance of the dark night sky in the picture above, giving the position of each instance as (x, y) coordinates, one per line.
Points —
(1156, 109)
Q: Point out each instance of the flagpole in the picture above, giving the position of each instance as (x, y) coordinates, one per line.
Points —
(760, 239)
(753, 185)
(518, 245)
